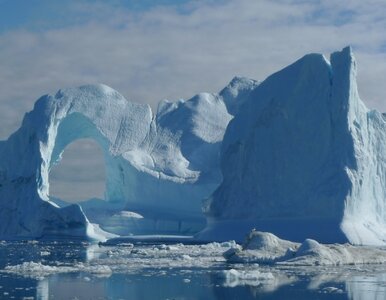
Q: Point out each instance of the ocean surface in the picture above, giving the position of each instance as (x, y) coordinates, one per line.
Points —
(78, 270)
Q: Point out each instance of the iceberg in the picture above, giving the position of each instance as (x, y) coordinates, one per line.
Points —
(158, 167)
(298, 155)
(304, 158)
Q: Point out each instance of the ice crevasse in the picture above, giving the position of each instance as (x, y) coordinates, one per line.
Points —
(298, 155)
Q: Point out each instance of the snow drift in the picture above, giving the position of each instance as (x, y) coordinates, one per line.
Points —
(304, 158)
(158, 167)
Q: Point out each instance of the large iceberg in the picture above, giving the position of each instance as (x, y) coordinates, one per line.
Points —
(298, 155)
(158, 167)
(304, 158)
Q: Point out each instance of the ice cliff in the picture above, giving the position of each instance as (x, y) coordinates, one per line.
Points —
(158, 167)
(304, 158)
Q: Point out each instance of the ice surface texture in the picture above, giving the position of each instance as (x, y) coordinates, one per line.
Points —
(266, 248)
(158, 167)
(304, 158)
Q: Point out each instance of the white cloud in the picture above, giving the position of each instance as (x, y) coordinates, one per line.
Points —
(172, 52)
(81, 173)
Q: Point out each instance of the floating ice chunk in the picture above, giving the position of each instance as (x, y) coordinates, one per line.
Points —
(261, 247)
(37, 269)
(265, 248)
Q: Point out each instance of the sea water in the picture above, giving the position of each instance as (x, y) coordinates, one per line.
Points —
(78, 270)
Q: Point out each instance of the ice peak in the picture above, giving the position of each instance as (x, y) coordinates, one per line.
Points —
(345, 55)
(238, 81)
(344, 63)
(236, 92)
(346, 51)
(94, 90)
(237, 84)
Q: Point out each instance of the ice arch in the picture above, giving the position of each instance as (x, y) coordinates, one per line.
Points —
(158, 167)
(76, 127)
(97, 112)
(83, 113)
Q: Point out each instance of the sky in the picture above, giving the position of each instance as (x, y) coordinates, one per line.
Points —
(151, 50)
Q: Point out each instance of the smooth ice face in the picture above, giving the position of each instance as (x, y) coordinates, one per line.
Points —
(158, 168)
(304, 158)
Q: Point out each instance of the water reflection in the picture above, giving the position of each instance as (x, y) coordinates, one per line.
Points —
(282, 284)
(71, 286)
(367, 287)
(213, 282)
(206, 285)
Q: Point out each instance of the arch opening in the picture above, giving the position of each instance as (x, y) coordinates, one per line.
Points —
(81, 174)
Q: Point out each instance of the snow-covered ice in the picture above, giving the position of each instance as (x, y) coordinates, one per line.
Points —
(304, 158)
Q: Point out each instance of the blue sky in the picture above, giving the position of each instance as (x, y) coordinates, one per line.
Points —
(151, 50)
(48, 14)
